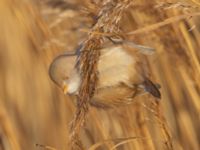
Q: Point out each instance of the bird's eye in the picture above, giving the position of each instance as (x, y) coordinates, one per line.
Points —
(65, 78)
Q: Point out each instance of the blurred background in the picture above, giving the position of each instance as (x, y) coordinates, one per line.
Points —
(34, 113)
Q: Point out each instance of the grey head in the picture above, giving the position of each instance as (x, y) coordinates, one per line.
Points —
(61, 68)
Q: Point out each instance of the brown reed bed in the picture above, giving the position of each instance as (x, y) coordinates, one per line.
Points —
(36, 115)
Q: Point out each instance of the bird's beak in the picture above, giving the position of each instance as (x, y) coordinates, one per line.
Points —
(65, 88)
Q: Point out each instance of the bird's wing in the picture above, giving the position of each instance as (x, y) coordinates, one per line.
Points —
(113, 96)
(143, 49)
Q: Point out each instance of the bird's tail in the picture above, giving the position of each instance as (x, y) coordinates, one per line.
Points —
(149, 87)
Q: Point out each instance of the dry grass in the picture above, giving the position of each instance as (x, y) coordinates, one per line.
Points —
(34, 111)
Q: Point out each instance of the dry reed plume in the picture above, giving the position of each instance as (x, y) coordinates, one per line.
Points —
(108, 19)
(34, 112)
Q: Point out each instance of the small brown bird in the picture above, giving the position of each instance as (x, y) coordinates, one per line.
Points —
(121, 75)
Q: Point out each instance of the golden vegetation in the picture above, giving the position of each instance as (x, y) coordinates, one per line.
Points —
(36, 115)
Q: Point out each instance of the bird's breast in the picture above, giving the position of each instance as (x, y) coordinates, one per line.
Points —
(115, 66)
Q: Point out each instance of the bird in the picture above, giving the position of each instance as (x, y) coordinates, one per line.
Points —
(121, 74)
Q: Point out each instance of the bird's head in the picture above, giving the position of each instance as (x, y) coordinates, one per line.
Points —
(62, 72)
